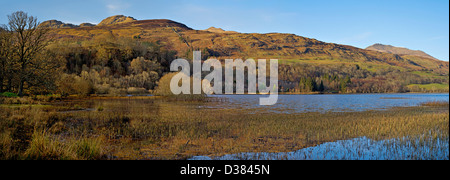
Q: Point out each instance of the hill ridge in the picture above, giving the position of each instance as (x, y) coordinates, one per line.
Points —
(399, 50)
(251, 45)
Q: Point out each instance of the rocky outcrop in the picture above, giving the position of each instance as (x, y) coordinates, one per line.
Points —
(118, 19)
(56, 24)
(219, 30)
(398, 50)
(86, 25)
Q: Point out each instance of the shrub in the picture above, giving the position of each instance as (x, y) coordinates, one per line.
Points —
(70, 84)
(135, 90)
(8, 94)
(163, 90)
(102, 88)
(17, 100)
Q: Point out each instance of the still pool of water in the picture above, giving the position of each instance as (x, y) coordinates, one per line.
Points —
(361, 148)
(328, 103)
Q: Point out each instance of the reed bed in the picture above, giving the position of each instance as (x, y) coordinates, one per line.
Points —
(154, 128)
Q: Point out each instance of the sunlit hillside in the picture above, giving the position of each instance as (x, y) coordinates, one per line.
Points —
(181, 38)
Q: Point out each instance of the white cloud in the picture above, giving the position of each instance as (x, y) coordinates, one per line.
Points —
(361, 36)
(356, 38)
(117, 6)
(112, 7)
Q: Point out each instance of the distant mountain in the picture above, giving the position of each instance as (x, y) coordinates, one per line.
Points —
(86, 25)
(113, 20)
(56, 24)
(116, 20)
(398, 50)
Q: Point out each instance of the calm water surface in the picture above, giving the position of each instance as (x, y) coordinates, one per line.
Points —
(328, 103)
(361, 148)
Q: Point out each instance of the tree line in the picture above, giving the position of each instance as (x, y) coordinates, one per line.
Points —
(338, 78)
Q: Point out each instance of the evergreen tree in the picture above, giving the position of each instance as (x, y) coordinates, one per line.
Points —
(321, 86)
(309, 85)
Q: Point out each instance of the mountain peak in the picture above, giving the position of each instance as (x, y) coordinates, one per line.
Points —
(398, 50)
(218, 30)
(56, 24)
(215, 29)
(87, 25)
(117, 19)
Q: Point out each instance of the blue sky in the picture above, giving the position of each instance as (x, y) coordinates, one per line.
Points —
(419, 25)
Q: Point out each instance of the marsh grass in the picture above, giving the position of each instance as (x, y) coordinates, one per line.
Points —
(174, 131)
(34, 133)
(26, 100)
(17, 100)
(435, 104)
(90, 148)
(155, 128)
(44, 146)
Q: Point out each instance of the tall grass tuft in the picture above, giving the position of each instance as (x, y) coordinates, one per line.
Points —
(89, 149)
(44, 147)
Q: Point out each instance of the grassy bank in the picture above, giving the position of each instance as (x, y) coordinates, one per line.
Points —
(433, 88)
(154, 128)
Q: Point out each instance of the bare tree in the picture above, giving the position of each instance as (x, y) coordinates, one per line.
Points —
(3, 54)
(28, 40)
(5, 58)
